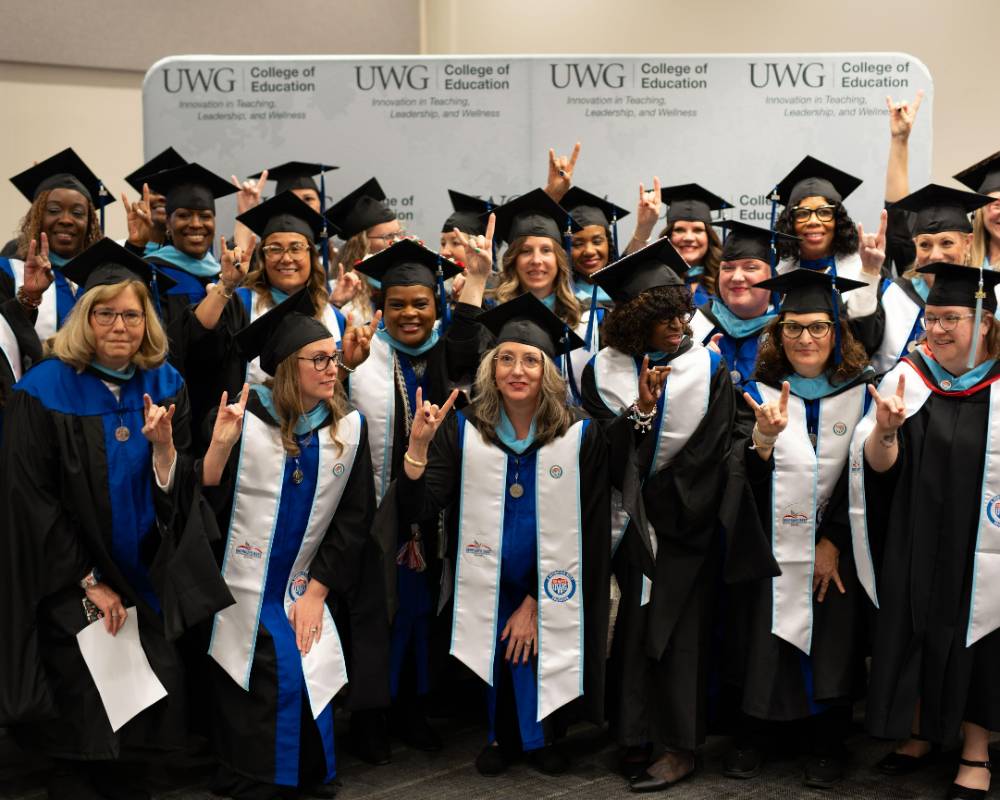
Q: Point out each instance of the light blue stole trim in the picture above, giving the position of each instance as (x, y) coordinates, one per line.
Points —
(428, 343)
(205, 267)
(115, 375)
(507, 435)
(921, 288)
(735, 326)
(964, 381)
(278, 296)
(308, 422)
(694, 272)
(811, 388)
(550, 301)
(57, 260)
(584, 292)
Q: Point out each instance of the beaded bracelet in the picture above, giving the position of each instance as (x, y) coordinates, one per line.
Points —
(641, 420)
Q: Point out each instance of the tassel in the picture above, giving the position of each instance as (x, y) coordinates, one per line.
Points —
(568, 235)
(155, 289)
(837, 355)
(980, 296)
(775, 300)
(443, 295)
(614, 237)
(591, 320)
(324, 236)
(411, 554)
(102, 195)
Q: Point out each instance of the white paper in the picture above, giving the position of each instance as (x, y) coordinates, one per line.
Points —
(120, 669)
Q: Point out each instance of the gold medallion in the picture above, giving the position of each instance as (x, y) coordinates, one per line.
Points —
(122, 434)
(516, 490)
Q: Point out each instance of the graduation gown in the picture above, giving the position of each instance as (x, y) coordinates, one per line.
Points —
(904, 313)
(76, 498)
(518, 576)
(900, 252)
(662, 635)
(779, 680)
(272, 728)
(922, 519)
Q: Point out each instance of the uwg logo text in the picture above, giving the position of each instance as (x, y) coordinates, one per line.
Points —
(611, 76)
(399, 76)
(219, 79)
(771, 73)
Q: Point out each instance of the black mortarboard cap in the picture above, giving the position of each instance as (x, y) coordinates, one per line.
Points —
(360, 210)
(190, 186)
(106, 263)
(64, 170)
(295, 175)
(656, 264)
(283, 213)
(532, 214)
(689, 201)
(804, 291)
(940, 208)
(983, 177)
(749, 241)
(527, 320)
(589, 209)
(813, 178)
(167, 159)
(468, 215)
(282, 331)
(956, 285)
(406, 263)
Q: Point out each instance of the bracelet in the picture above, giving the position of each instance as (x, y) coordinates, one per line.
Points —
(641, 420)
(760, 440)
(411, 460)
(637, 240)
(227, 291)
(27, 302)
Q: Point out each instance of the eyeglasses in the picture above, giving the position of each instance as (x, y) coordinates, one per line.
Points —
(105, 317)
(389, 238)
(529, 361)
(948, 322)
(818, 330)
(276, 251)
(684, 319)
(322, 362)
(823, 213)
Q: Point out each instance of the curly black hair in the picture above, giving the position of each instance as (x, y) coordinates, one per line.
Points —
(628, 325)
(845, 233)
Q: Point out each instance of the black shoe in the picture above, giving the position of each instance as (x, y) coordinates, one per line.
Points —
(633, 761)
(649, 783)
(897, 764)
(370, 736)
(959, 792)
(549, 760)
(822, 772)
(411, 726)
(323, 790)
(491, 761)
(742, 762)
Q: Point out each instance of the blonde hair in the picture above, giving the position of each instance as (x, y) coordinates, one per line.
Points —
(75, 344)
(567, 307)
(285, 392)
(552, 419)
(257, 280)
(356, 250)
(980, 250)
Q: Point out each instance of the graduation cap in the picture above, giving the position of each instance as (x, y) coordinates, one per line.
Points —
(589, 209)
(407, 263)
(295, 175)
(64, 170)
(283, 213)
(527, 320)
(813, 178)
(107, 263)
(656, 264)
(190, 186)
(532, 214)
(749, 241)
(966, 287)
(469, 214)
(360, 210)
(941, 208)
(282, 332)
(167, 159)
(983, 177)
(692, 202)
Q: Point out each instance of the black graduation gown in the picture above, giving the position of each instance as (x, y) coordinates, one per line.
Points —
(244, 722)
(21, 322)
(900, 252)
(924, 512)
(439, 487)
(778, 681)
(64, 503)
(662, 649)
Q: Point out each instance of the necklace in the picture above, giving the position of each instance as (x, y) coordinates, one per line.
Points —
(516, 490)
(297, 474)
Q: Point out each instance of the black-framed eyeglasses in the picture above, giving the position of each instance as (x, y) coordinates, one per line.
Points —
(947, 323)
(322, 361)
(818, 329)
(823, 213)
(105, 317)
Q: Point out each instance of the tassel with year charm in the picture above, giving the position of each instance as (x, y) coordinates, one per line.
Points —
(411, 554)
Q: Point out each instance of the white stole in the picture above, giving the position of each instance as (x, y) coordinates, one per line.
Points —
(579, 358)
(251, 530)
(701, 326)
(901, 314)
(560, 563)
(47, 322)
(373, 393)
(848, 266)
(10, 348)
(801, 485)
(254, 373)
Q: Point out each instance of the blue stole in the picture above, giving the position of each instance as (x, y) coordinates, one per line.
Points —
(419, 350)
(738, 327)
(507, 435)
(307, 422)
(920, 287)
(825, 264)
(962, 382)
(584, 292)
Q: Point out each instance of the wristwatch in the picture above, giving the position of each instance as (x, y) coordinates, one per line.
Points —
(90, 580)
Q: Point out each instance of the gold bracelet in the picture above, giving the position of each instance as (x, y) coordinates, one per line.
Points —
(411, 460)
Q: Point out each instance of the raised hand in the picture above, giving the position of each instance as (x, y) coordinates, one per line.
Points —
(345, 287)
(772, 418)
(139, 217)
(648, 211)
(427, 418)
(902, 115)
(871, 247)
(249, 192)
(561, 173)
(713, 344)
(890, 410)
(235, 263)
(478, 250)
(37, 270)
(157, 427)
(357, 341)
(651, 381)
(229, 421)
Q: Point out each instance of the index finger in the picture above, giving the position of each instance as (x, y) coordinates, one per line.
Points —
(552, 157)
(145, 192)
(147, 403)
(882, 224)
(236, 182)
(419, 398)
(263, 179)
(449, 403)
(126, 204)
(645, 365)
(45, 246)
(656, 186)
(874, 393)
(575, 155)
(751, 402)
(786, 390)
(888, 103)
(491, 224)
(642, 192)
(224, 401)
(222, 245)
